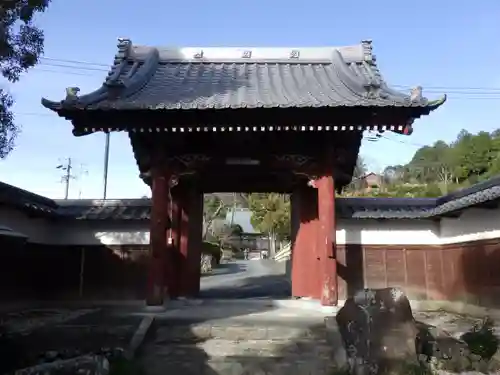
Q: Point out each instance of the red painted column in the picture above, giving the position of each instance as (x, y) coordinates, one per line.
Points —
(173, 240)
(305, 276)
(195, 241)
(183, 244)
(157, 249)
(326, 240)
(191, 227)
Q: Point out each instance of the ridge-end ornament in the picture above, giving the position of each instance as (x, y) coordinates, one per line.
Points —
(72, 93)
(416, 93)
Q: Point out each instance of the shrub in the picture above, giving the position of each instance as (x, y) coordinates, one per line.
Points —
(482, 340)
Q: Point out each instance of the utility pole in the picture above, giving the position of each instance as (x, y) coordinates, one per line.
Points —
(106, 164)
(83, 171)
(67, 168)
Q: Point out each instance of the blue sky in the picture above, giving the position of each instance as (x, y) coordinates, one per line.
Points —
(433, 44)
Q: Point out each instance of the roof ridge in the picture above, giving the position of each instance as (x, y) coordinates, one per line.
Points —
(124, 47)
(355, 53)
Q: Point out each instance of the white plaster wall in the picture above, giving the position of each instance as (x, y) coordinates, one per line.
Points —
(388, 232)
(37, 230)
(474, 224)
(110, 233)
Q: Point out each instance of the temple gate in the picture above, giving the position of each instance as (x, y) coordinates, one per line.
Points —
(204, 120)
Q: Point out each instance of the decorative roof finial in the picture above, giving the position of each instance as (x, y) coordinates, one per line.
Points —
(367, 49)
(416, 94)
(72, 93)
(124, 41)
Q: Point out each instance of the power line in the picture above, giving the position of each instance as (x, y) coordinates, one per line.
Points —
(63, 72)
(403, 142)
(74, 62)
(86, 68)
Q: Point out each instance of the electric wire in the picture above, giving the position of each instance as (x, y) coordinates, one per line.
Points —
(90, 69)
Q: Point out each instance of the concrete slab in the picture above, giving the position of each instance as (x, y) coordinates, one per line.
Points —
(139, 336)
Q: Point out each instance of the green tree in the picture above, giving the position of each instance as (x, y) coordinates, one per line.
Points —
(21, 45)
(271, 215)
(236, 230)
(442, 168)
(230, 235)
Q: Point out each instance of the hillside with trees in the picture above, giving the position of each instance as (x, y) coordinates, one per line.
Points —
(433, 171)
(437, 169)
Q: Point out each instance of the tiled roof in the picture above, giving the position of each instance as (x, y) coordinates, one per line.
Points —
(98, 209)
(356, 208)
(217, 78)
(8, 232)
(478, 194)
(346, 208)
(481, 194)
(35, 204)
(384, 208)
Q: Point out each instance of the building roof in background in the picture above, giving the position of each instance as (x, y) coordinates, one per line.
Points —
(485, 194)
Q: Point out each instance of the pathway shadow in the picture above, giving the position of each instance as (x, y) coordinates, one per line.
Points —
(268, 286)
(245, 336)
(227, 269)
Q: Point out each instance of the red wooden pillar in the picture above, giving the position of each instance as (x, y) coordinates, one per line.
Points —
(157, 250)
(183, 244)
(195, 241)
(191, 213)
(173, 246)
(305, 276)
(326, 240)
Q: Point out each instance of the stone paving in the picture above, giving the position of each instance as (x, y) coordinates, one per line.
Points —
(26, 320)
(455, 324)
(235, 348)
(279, 341)
(43, 335)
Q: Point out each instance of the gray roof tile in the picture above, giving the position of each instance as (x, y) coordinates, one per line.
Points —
(385, 208)
(353, 208)
(348, 208)
(475, 195)
(97, 209)
(35, 204)
(172, 79)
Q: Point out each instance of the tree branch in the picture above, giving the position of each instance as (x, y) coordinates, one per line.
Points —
(209, 222)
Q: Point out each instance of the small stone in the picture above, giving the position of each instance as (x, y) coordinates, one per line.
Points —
(51, 355)
(118, 352)
(474, 357)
